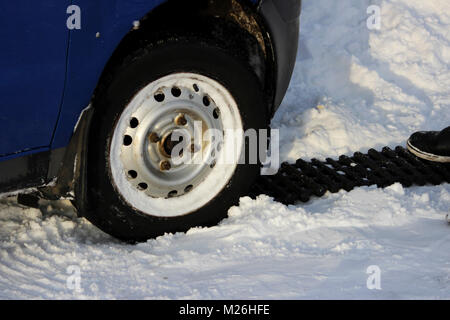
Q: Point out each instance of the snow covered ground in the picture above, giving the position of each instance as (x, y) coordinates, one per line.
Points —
(353, 89)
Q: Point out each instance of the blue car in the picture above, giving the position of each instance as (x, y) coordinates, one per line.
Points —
(93, 93)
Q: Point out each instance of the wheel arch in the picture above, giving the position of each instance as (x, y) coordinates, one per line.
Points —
(235, 23)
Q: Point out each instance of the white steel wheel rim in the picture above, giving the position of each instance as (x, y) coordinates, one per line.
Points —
(201, 184)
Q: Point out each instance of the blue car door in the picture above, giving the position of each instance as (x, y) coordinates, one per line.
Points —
(33, 52)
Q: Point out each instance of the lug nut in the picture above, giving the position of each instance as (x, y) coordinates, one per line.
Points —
(153, 137)
(165, 165)
(181, 120)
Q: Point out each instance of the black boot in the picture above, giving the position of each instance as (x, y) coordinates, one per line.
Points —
(431, 145)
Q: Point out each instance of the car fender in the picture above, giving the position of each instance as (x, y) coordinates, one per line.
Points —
(104, 23)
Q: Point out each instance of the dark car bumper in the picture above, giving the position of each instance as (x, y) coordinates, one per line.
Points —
(282, 20)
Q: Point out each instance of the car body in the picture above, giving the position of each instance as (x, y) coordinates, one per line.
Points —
(49, 73)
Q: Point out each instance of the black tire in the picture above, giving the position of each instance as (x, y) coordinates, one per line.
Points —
(107, 209)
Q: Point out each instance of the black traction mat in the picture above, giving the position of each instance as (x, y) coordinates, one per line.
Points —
(301, 180)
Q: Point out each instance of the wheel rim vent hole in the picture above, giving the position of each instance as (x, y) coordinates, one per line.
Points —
(159, 97)
(206, 101)
(134, 122)
(216, 113)
(132, 174)
(176, 92)
(142, 186)
(127, 140)
(172, 194)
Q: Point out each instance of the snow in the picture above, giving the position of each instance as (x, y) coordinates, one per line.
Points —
(353, 89)
(376, 86)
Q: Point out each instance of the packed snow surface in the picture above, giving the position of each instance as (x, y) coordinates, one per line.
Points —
(352, 89)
